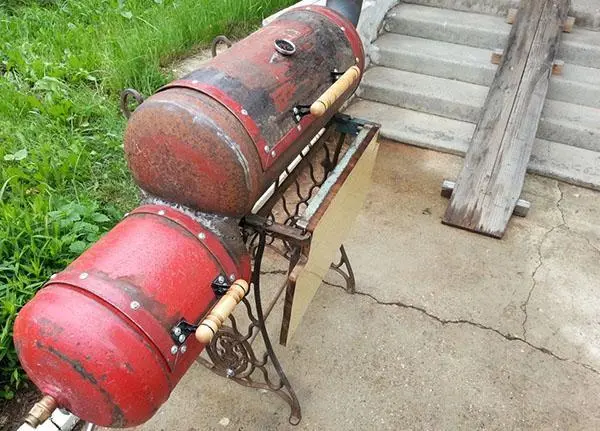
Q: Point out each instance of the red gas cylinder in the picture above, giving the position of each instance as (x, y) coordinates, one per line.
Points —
(216, 139)
(99, 337)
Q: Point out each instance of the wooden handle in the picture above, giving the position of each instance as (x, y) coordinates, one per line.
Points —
(333, 93)
(221, 311)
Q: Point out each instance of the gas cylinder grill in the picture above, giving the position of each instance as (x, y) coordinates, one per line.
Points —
(246, 154)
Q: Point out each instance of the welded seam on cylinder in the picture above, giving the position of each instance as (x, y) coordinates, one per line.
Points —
(230, 142)
(214, 257)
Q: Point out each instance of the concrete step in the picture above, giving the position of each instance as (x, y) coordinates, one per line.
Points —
(581, 47)
(416, 128)
(439, 96)
(577, 84)
(586, 12)
(473, 65)
(563, 162)
(435, 58)
(490, 7)
(562, 122)
(463, 28)
(570, 124)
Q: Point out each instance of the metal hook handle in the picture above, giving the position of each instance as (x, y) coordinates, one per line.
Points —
(125, 95)
(216, 41)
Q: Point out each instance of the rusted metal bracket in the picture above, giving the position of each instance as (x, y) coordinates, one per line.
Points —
(277, 230)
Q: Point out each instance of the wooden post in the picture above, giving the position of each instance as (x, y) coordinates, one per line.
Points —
(557, 67)
(497, 56)
(491, 181)
(568, 24)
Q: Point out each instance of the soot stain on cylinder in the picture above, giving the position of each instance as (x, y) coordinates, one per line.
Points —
(118, 417)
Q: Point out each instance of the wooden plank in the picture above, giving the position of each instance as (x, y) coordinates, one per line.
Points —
(521, 209)
(329, 217)
(492, 178)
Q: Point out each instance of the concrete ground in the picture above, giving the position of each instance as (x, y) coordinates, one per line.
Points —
(449, 330)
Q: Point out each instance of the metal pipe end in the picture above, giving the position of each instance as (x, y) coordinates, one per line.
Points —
(351, 9)
(41, 411)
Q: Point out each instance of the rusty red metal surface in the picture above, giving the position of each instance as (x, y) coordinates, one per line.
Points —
(215, 139)
(97, 337)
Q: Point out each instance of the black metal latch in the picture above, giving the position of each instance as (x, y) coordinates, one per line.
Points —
(300, 111)
(182, 331)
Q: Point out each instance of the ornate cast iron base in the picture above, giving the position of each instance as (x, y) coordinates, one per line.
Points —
(348, 273)
(232, 353)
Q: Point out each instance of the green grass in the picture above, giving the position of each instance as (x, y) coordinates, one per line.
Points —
(63, 179)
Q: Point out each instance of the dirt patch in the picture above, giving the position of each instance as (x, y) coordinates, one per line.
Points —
(13, 412)
(187, 65)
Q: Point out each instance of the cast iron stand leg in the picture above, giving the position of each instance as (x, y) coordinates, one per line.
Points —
(295, 415)
(348, 274)
(232, 355)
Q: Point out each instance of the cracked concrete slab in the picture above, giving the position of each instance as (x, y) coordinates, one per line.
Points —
(434, 338)
(359, 365)
(563, 309)
(454, 274)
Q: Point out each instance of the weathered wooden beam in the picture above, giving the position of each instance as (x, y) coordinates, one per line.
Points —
(521, 209)
(568, 24)
(491, 181)
(557, 66)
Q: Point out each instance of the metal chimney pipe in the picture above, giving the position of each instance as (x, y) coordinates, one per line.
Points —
(348, 8)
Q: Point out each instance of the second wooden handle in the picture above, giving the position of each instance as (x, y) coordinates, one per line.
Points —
(333, 93)
(221, 311)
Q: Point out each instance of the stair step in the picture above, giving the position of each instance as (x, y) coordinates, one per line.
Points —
(416, 128)
(578, 84)
(586, 12)
(464, 28)
(563, 122)
(570, 124)
(563, 162)
(439, 96)
(493, 7)
(435, 58)
(581, 47)
(473, 65)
